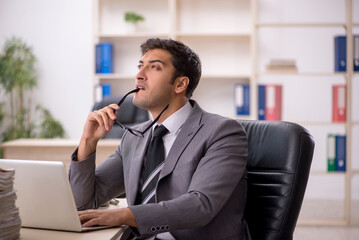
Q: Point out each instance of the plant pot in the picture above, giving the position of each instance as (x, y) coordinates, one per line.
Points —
(131, 27)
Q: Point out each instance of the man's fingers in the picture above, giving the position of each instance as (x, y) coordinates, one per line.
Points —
(106, 119)
(108, 217)
(90, 223)
(96, 116)
(105, 116)
(103, 119)
(84, 212)
(114, 106)
(111, 110)
(88, 218)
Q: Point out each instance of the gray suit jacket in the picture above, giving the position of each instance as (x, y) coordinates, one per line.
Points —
(202, 188)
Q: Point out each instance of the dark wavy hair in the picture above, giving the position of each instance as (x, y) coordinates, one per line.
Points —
(185, 61)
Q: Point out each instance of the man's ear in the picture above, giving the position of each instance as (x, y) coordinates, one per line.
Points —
(181, 84)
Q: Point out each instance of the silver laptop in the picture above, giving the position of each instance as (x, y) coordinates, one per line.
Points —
(44, 195)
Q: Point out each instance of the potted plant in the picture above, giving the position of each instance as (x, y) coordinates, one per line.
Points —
(17, 80)
(132, 19)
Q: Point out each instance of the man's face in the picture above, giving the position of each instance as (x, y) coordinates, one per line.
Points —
(154, 78)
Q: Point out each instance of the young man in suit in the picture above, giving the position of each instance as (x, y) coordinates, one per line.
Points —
(200, 189)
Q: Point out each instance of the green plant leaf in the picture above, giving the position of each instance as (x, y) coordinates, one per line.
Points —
(133, 17)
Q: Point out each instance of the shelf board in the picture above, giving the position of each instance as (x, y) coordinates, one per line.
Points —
(242, 117)
(224, 77)
(119, 76)
(132, 35)
(115, 76)
(178, 34)
(209, 34)
(318, 123)
(314, 74)
(322, 222)
(324, 172)
(259, 25)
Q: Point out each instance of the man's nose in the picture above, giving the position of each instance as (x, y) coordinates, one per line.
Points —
(141, 74)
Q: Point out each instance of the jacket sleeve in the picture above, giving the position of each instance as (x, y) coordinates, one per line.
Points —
(92, 186)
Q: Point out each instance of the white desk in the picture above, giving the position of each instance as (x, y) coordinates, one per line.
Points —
(54, 149)
(40, 234)
(103, 234)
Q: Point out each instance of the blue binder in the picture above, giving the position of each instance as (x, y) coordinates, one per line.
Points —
(106, 90)
(104, 63)
(340, 151)
(242, 98)
(340, 53)
(356, 52)
(261, 102)
(98, 58)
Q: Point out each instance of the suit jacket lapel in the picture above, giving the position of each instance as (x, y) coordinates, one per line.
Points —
(136, 165)
(188, 131)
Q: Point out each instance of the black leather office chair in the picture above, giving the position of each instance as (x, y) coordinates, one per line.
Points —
(128, 114)
(279, 160)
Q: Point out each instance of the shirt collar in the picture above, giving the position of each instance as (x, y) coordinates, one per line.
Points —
(174, 122)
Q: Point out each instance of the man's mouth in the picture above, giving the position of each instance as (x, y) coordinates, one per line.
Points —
(140, 87)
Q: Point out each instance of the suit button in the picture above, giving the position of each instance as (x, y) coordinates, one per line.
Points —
(153, 229)
(158, 228)
(167, 227)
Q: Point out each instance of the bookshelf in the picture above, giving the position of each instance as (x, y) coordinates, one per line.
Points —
(280, 35)
(224, 43)
(235, 43)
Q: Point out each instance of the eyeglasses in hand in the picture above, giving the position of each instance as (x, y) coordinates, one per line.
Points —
(131, 130)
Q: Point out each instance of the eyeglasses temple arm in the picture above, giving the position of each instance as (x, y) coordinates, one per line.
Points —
(124, 97)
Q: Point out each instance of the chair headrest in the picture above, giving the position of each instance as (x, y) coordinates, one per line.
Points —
(128, 113)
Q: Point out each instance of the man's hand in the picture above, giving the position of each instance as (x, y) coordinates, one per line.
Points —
(98, 124)
(110, 217)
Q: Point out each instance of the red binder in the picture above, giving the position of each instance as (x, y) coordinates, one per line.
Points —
(339, 103)
(273, 102)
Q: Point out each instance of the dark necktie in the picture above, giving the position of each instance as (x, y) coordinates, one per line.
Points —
(155, 157)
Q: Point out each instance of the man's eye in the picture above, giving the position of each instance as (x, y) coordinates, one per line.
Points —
(155, 67)
(139, 66)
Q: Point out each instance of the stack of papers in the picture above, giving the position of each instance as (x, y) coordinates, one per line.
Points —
(10, 222)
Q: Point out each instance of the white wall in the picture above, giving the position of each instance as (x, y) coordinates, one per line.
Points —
(60, 34)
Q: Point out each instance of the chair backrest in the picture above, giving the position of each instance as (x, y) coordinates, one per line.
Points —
(128, 114)
(279, 160)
